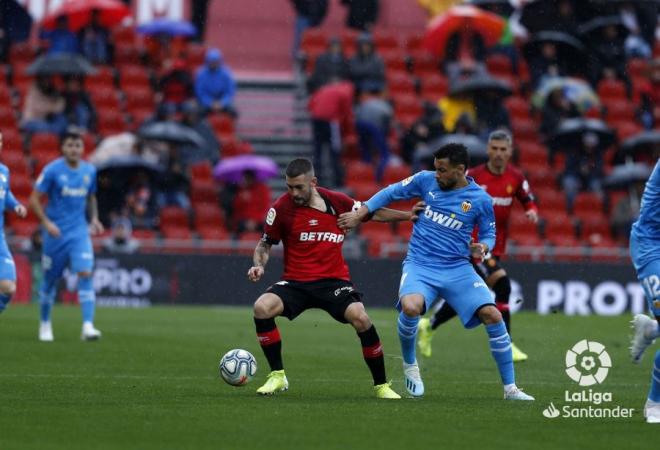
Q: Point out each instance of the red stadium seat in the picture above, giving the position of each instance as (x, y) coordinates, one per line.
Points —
(133, 75)
(400, 84)
(530, 153)
(594, 228)
(201, 171)
(111, 122)
(363, 190)
(222, 123)
(519, 223)
(609, 89)
(394, 174)
(172, 216)
(619, 110)
(498, 64)
(434, 87)
(360, 172)
(176, 232)
(525, 129)
(518, 107)
(123, 36)
(213, 233)
(44, 142)
(558, 225)
(407, 105)
(588, 203)
(138, 97)
(542, 177)
(204, 191)
(208, 214)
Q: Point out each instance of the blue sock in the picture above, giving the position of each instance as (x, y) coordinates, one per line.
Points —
(407, 333)
(500, 348)
(4, 301)
(654, 393)
(87, 298)
(46, 300)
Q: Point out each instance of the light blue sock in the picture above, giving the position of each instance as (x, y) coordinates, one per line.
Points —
(654, 393)
(500, 348)
(46, 300)
(4, 301)
(407, 333)
(87, 298)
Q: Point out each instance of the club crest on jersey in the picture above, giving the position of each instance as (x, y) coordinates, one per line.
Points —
(407, 181)
(448, 221)
(656, 303)
(466, 206)
(509, 189)
(270, 217)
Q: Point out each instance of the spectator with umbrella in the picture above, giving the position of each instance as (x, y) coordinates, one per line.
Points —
(15, 25)
(166, 39)
(210, 150)
(215, 85)
(94, 40)
(43, 111)
(584, 170)
(175, 86)
(61, 39)
(425, 129)
(556, 108)
(79, 109)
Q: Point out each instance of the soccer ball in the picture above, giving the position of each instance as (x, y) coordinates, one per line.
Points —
(238, 367)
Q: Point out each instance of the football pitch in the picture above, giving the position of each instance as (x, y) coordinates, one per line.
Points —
(152, 383)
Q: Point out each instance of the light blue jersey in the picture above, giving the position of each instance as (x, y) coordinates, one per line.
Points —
(7, 203)
(645, 241)
(441, 237)
(67, 190)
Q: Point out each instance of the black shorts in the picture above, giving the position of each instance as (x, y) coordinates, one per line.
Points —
(331, 295)
(487, 266)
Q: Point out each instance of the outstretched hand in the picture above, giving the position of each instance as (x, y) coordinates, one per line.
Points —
(416, 210)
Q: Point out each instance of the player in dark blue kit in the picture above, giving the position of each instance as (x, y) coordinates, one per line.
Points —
(438, 259)
(7, 268)
(645, 253)
(70, 186)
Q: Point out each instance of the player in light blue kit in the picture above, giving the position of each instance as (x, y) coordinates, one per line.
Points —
(645, 253)
(438, 259)
(70, 186)
(7, 268)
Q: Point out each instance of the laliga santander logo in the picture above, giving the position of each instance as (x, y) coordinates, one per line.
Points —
(587, 363)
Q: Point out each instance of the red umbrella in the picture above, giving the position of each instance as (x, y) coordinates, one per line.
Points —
(462, 19)
(79, 12)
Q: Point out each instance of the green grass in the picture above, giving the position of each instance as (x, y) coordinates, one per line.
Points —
(152, 383)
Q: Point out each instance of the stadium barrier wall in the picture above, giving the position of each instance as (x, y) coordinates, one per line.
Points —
(147, 279)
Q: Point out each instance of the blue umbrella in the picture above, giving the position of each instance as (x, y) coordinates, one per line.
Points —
(17, 20)
(169, 27)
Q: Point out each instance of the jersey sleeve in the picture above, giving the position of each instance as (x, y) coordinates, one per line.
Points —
(272, 227)
(92, 184)
(10, 201)
(403, 190)
(525, 196)
(486, 223)
(45, 181)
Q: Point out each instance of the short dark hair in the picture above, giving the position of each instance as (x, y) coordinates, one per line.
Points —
(70, 133)
(500, 135)
(456, 153)
(299, 166)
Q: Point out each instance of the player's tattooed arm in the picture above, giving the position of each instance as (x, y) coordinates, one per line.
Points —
(259, 260)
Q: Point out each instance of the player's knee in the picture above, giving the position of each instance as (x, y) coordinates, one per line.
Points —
(411, 309)
(489, 315)
(84, 274)
(264, 308)
(502, 289)
(360, 320)
(7, 288)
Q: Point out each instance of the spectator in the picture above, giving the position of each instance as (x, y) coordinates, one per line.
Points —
(250, 204)
(373, 117)
(329, 65)
(94, 40)
(140, 202)
(491, 113)
(164, 112)
(608, 58)
(453, 108)
(211, 151)
(215, 86)
(79, 109)
(121, 240)
(173, 184)
(61, 39)
(309, 13)
(584, 169)
(361, 14)
(43, 111)
(176, 85)
(367, 69)
(331, 109)
(556, 108)
(198, 15)
(546, 64)
(626, 211)
(465, 53)
(425, 129)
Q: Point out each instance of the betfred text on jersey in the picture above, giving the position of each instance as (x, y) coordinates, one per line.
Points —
(321, 237)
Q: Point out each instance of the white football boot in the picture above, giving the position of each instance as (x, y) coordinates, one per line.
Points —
(89, 333)
(652, 411)
(46, 332)
(516, 393)
(643, 327)
(413, 380)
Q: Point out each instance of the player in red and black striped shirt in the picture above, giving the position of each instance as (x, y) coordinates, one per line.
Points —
(504, 183)
(315, 273)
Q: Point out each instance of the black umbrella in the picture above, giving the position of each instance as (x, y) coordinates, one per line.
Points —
(537, 14)
(132, 162)
(15, 20)
(501, 7)
(479, 84)
(564, 41)
(588, 29)
(60, 64)
(625, 175)
(173, 132)
(570, 133)
(642, 143)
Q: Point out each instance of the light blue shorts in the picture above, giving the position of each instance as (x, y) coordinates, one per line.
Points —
(648, 271)
(76, 252)
(461, 287)
(7, 266)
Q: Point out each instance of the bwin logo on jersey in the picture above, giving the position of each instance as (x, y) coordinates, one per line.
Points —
(441, 219)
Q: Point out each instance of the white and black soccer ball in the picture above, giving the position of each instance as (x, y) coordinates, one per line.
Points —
(238, 367)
